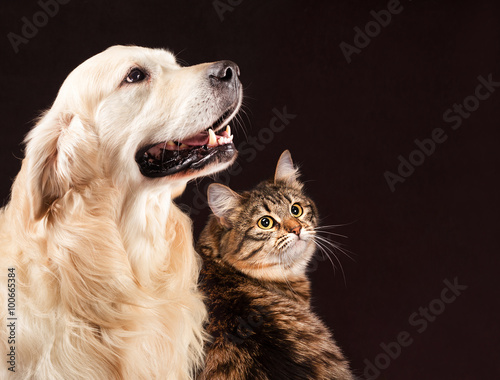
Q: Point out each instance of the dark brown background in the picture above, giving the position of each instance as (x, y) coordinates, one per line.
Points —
(353, 121)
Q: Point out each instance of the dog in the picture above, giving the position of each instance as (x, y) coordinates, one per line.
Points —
(98, 261)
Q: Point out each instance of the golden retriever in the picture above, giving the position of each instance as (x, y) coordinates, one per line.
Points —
(98, 261)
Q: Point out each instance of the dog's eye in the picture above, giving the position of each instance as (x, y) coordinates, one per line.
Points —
(136, 75)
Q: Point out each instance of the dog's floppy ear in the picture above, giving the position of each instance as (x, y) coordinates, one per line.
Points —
(222, 200)
(51, 153)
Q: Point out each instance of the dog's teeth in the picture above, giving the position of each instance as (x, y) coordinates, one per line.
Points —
(225, 140)
(212, 139)
(171, 145)
(228, 130)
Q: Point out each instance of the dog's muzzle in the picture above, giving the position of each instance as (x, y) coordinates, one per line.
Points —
(211, 146)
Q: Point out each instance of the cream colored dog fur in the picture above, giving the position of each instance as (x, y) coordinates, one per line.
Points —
(106, 273)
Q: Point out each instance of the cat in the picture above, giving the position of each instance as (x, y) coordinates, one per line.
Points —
(255, 248)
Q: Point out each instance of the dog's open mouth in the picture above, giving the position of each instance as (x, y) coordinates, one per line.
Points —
(191, 154)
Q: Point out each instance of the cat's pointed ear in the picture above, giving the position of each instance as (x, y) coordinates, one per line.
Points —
(285, 170)
(222, 200)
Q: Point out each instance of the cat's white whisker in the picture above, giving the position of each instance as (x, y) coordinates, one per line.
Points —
(332, 233)
(283, 274)
(335, 246)
(324, 226)
(326, 252)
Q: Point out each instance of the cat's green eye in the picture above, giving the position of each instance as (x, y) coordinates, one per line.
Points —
(266, 223)
(296, 210)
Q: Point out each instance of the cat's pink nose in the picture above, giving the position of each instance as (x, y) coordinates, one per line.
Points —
(292, 226)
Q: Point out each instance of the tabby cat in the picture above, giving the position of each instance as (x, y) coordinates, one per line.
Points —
(255, 248)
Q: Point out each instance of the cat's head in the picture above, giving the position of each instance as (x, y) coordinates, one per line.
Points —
(267, 232)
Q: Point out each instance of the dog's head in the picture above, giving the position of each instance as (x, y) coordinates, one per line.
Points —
(135, 116)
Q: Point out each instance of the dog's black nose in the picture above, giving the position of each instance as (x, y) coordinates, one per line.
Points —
(224, 72)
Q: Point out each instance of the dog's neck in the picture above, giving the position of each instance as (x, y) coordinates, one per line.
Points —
(151, 226)
(142, 225)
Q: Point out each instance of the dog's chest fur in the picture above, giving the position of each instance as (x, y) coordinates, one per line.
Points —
(115, 292)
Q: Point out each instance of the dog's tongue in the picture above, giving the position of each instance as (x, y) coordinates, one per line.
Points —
(197, 140)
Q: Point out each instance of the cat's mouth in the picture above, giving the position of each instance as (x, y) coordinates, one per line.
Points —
(192, 154)
(294, 249)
